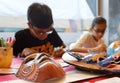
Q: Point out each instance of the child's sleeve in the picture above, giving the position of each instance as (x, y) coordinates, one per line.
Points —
(82, 40)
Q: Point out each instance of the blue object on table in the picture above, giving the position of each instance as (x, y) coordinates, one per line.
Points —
(117, 49)
(106, 61)
(111, 50)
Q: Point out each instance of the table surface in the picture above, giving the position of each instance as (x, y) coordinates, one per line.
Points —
(68, 68)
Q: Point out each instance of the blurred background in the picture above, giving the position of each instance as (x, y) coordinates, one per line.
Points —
(71, 17)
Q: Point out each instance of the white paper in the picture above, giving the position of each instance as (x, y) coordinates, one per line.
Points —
(8, 70)
(110, 80)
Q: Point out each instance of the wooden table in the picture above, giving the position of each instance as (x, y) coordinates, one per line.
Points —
(72, 75)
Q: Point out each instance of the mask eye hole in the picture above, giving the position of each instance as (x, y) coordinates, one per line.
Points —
(42, 54)
(44, 58)
(29, 58)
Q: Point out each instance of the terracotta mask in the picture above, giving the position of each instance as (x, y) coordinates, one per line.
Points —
(39, 67)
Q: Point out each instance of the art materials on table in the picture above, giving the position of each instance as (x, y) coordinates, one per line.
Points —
(6, 52)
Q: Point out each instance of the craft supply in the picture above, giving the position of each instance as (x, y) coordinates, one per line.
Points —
(106, 61)
(6, 55)
(9, 42)
(0, 43)
(6, 52)
(3, 42)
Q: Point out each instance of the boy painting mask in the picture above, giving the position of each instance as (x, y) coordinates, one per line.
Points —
(40, 36)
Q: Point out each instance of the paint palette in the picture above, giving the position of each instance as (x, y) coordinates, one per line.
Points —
(93, 68)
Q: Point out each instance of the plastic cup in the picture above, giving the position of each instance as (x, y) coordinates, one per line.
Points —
(6, 55)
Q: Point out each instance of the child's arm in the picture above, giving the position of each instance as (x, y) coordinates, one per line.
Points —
(78, 45)
(80, 49)
(99, 48)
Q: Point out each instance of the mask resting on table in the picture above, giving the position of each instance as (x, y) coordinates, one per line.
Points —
(38, 67)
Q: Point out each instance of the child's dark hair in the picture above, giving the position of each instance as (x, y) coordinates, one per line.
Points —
(98, 20)
(40, 15)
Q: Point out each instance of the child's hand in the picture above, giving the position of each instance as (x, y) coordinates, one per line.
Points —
(27, 51)
(116, 55)
(58, 53)
(103, 48)
(100, 48)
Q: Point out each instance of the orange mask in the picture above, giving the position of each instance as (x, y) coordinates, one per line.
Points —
(39, 67)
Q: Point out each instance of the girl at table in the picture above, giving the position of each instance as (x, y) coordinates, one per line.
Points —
(92, 41)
